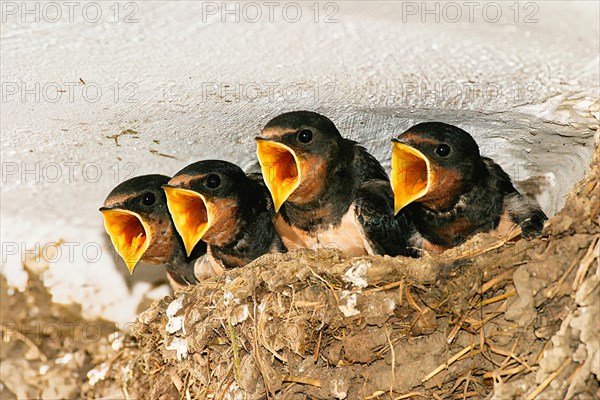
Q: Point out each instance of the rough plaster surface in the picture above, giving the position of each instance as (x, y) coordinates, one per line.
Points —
(187, 84)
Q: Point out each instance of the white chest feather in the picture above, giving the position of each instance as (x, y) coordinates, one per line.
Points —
(348, 237)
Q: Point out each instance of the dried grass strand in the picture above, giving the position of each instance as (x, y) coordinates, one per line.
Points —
(302, 380)
(549, 379)
(441, 367)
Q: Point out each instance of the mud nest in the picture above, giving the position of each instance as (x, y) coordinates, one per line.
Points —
(497, 318)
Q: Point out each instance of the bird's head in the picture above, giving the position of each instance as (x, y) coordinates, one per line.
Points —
(432, 163)
(203, 200)
(136, 219)
(294, 150)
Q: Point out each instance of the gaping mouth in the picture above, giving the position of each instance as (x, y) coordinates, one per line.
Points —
(411, 174)
(128, 232)
(191, 214)
(280, 168)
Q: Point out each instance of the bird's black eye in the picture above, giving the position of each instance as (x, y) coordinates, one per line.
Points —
(442, 150)
(148, 199)
(213, 181)
(305, 135)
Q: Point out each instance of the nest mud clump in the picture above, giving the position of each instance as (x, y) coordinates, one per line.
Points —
(497, 318)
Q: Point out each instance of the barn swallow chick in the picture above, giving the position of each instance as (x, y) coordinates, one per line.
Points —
(328, 191)
(215, 201)
(138, 222)
(450, 192)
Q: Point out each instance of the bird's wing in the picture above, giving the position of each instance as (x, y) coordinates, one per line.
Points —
(375, 211)
(367, 166)
(499, 179)
(525, 212)
(522, 210)
(182, 273)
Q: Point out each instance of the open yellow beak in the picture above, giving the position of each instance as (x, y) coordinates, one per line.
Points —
(280, 168)
(411, 175)
(129, 233)
(191, 214)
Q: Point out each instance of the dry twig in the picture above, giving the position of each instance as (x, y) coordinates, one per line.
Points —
(450, 361)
